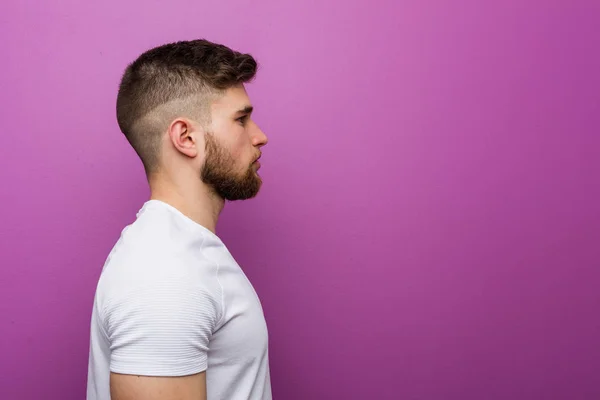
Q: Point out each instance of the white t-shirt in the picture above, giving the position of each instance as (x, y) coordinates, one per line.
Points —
(172, 301)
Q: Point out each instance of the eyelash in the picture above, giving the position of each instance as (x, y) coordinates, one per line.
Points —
(243, 119)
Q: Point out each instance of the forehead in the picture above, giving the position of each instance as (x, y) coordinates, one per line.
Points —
(232, 100)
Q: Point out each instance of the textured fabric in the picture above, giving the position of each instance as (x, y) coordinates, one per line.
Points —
(172, 301)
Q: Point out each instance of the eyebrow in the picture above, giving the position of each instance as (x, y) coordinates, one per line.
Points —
(245, 110)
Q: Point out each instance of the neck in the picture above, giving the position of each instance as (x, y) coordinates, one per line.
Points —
(195, 200)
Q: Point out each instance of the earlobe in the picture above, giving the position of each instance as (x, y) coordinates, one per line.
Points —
(183, 137)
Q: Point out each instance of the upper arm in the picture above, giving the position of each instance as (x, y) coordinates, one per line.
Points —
(159, 336)
(134, 387)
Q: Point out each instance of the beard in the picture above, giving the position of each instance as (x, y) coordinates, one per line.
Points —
(218, 172)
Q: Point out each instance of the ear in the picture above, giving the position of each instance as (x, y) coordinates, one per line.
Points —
(184, 137)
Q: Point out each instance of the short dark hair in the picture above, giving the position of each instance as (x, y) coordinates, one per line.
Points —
(174, 71)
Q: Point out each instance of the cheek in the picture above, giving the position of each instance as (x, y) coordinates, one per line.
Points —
(236, 153)
(241, 149)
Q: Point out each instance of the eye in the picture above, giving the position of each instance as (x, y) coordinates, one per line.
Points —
(242, 120)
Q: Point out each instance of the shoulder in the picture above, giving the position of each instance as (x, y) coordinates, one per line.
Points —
(156, 285)
(158, 253)
(159, 263)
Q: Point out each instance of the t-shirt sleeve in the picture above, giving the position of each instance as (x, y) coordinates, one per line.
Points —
(162, 329)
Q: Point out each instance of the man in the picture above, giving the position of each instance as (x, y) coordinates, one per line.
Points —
(174, 316)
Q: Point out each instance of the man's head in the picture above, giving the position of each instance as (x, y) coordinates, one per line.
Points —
(184, 109)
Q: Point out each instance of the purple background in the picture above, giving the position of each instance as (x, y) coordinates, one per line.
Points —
(428, 228)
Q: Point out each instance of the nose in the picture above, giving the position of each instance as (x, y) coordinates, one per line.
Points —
(259, 139)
